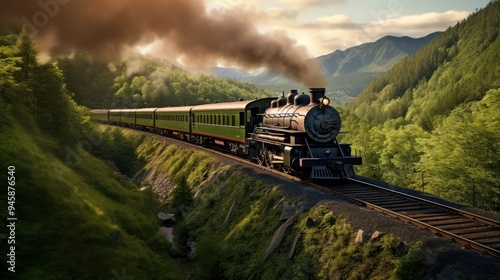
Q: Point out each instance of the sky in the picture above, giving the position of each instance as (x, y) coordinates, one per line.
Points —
(323, 26)
(272, 35)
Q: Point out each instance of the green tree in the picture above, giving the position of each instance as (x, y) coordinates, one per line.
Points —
(461, 156)
(401, 151)
(57, 113)
(181, 197)
(90, 80)
(9, 89)
(25, 49)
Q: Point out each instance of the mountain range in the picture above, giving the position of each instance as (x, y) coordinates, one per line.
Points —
(347, 71)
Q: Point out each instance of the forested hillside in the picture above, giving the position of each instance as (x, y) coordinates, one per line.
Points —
(70, 217)
(433, 121)
(139, 81)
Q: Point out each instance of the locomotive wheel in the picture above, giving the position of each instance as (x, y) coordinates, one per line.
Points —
(269, 151)
(278, 151)
(307, 174)
(285, 169)
(261, 154)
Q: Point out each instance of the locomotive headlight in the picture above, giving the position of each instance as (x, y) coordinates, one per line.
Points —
(325, 101)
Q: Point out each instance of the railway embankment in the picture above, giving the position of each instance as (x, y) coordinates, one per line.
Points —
(234, 221)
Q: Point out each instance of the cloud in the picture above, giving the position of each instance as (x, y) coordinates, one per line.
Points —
(276, 13)
(340, 32)
(331, 22)
(427, 21)
(411, 25)
(302, 4)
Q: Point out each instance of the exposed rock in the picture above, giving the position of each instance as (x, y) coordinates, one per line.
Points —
(161, 185)
(288, 211)
(168, 233)
(277, 237)
(166, 218)
(278, 203)
(231, 209)
(294, 244)
(299, 207)
(361, 236)
(376, 236)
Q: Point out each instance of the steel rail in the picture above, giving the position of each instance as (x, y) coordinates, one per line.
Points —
(436, 230)
(449, 208)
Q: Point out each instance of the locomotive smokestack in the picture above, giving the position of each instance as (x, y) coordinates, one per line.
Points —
(316, 94)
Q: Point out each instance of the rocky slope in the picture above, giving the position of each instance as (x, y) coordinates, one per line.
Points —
(249, 216)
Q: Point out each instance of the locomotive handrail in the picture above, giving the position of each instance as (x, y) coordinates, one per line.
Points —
(340, 148)
(280, 115)
(308, 147)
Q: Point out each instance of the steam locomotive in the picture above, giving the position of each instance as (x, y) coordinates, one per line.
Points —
(297, 133)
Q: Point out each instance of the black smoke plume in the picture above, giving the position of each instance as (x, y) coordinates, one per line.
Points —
(105, 28)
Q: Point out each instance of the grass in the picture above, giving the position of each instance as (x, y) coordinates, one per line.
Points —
(81, 222)
(233, 219)
(76, 220)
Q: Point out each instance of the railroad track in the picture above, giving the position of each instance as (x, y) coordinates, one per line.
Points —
(470, 230)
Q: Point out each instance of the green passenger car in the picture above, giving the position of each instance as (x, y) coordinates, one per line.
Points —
(127, 116)
(145, 117)
(114, 116)
(229, 121)
(100, 115)
(175, 119)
